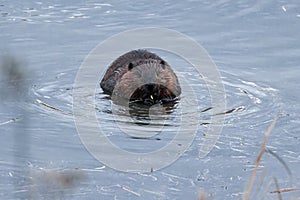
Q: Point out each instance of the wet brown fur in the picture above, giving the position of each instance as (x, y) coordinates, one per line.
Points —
(128, 74)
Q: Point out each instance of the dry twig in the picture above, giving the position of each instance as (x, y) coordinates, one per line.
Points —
(261, 152)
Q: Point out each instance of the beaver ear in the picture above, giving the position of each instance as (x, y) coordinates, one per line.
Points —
(162, 62)
(130, 66)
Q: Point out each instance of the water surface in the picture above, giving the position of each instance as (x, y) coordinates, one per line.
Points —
(255, 46)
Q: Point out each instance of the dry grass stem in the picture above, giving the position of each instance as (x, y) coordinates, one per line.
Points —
(284, 190)
(261, 152)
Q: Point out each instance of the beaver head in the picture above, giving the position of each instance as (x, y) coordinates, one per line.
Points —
(141, 76)
(148, 81)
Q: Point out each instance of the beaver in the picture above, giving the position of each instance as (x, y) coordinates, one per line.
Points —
(141, 76)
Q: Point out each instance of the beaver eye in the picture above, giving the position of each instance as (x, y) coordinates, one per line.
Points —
(162, 62)
(130, 66)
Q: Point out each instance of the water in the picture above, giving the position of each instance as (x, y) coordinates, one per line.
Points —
(255, 46)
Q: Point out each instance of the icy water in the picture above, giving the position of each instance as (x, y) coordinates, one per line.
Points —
(256, 47)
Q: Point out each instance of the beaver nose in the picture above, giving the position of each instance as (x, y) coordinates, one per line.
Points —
(150, 87)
